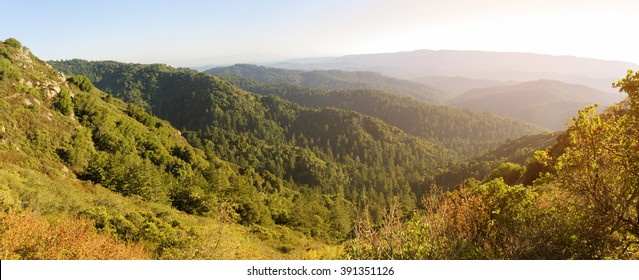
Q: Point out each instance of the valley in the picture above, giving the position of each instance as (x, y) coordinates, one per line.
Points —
(253, 162)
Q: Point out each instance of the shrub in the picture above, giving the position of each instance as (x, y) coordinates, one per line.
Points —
(63, 103)
(510, 172)
(191, 200)
(82, 82)
(5, 53)
(9, 73)
(13, 42)
(28, 235)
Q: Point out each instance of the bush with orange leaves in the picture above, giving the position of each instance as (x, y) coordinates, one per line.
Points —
(28, 235)
(477, 221)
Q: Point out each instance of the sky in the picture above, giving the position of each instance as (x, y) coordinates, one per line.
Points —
(193, 33)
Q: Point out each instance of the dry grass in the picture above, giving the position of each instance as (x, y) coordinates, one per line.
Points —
(28, 235)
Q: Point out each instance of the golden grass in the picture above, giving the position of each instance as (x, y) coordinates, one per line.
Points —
(29, 235)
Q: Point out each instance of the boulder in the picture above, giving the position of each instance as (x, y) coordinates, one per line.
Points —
(61, 77)
(52, 90)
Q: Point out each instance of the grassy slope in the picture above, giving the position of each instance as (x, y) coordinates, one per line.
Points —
(37, 185)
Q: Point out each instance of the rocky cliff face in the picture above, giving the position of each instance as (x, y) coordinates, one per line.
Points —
(41, 79)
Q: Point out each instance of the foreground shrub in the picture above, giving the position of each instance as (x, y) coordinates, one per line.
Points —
(28, 235)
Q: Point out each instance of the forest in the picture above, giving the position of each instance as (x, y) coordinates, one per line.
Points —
(151, 161)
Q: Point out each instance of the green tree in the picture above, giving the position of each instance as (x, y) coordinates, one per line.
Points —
(510, 172)
(63, 103)
(13, 42)
(601, 166)
(82, 82)
(630, 85)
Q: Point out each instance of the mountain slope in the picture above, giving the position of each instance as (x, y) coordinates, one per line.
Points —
(77, 156)
(334, 79)
(351, 159)
(547, 103)
(517, 151)
(463, 131)
(458, 85)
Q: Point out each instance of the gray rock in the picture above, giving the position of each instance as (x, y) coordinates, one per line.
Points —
(61, 77)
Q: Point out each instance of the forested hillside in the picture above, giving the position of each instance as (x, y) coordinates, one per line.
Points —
(92, 166)
(342, 161)
(511, 161)
(70, 150)
(334, 79)
(85, 175)
(460, 130)
(583, 202)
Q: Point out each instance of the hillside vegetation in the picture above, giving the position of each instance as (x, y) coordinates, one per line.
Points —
(583, 203)
(74, 155)
(511, 161)
(87, 173)
(354, 160)
(460, 130)
(334, 79)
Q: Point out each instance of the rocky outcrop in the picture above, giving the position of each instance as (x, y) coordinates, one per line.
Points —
(51, 89)
(23, 55)
(61, 77)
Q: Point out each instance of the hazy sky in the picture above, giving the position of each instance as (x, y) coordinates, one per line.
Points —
(192, 33)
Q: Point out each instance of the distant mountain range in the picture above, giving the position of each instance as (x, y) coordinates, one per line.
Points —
(457, 85)
(547, 103)
(499, 66)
